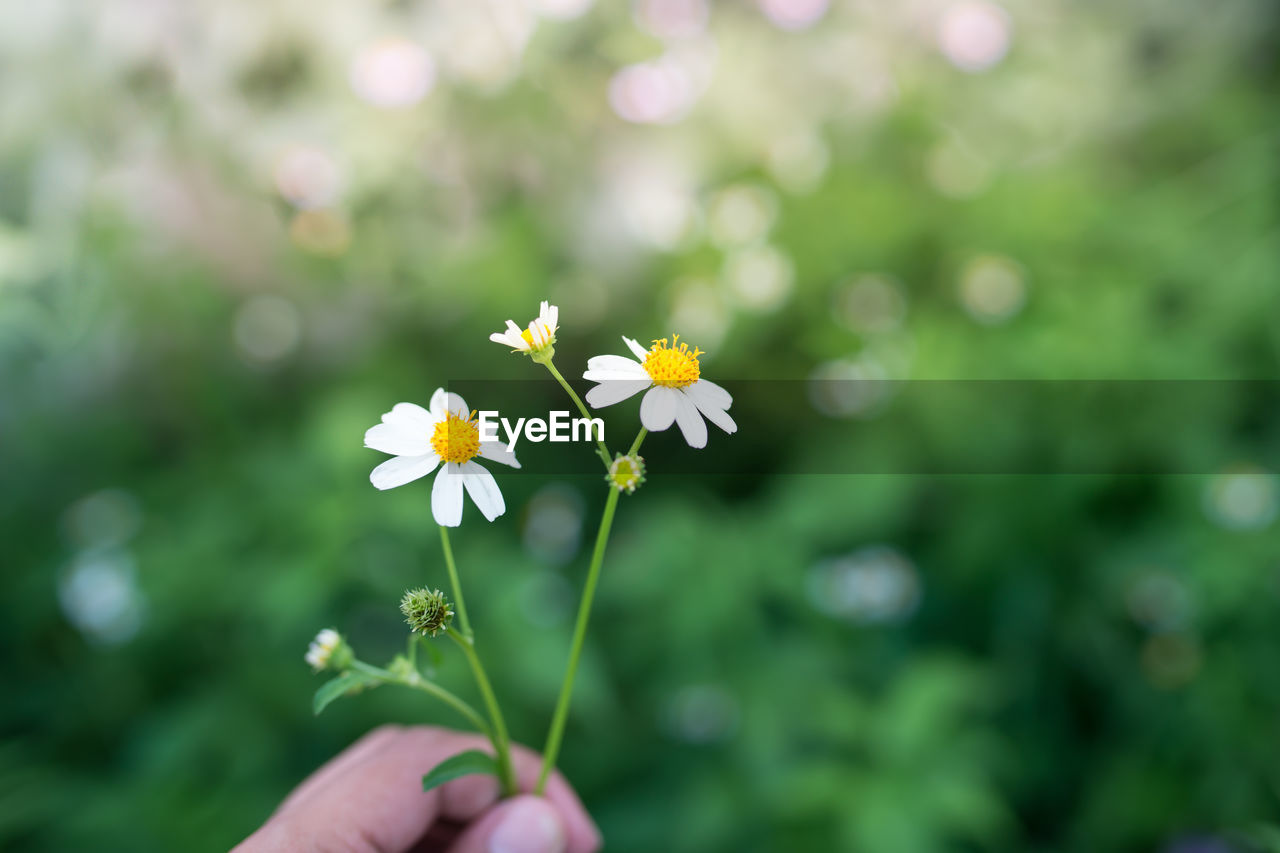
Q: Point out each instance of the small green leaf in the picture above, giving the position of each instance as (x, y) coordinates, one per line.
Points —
(462, 764)
(344, 685)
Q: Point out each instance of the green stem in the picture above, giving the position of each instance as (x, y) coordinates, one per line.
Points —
(604, 449)
(420, 683)
(635, 445)
(501, 740)
(453, 579)
(556, 732)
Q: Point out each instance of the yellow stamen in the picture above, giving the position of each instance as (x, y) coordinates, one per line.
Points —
(456, 439)
(528, 337)
(674, 367)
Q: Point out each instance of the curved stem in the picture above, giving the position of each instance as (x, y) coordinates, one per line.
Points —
(501, 740)
(604, 448)
(556, 732)
(420, 683)
(453, 579)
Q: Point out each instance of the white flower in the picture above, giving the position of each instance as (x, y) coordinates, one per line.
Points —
(675, 390)
(540, 334)
(322, 648)
(421, 439)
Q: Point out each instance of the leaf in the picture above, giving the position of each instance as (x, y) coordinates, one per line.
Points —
(462, 764)
(344, 685)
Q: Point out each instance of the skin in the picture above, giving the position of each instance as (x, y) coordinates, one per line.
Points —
(369, 799)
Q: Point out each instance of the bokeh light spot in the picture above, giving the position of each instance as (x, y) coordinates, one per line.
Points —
(794, 14)
(266, 329)
(393, 73)
(974, 35)
(993, 288)
(1243, 499)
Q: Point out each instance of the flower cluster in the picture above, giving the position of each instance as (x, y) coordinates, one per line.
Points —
(445, 439)
(445, 435)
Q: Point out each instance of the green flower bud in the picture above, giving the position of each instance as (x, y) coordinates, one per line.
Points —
(625, 473)
(329, 651)
(426, 610)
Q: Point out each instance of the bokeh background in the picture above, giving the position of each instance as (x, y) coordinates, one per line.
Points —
(233, 233)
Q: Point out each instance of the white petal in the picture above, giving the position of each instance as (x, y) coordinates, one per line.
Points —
(410, 416)
(708, 394)
(540, 332)
(446, 496)
(505, 339)
(403, 469)
(658, 408)
(498, 452)
(550, 314)
(483, 489)
(720, 418)
(634, 345)
(398, 440)
(617, 375)
(615, 391)
(691, 422)
(603, 367)
(442, 402)
(511, 337)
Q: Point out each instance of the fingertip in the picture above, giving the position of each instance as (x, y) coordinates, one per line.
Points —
(529, 825)
(522, 824)
(584, 835)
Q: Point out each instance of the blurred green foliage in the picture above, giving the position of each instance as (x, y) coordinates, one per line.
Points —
(221, 260)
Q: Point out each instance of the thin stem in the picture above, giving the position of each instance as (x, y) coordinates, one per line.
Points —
(604, 448)
(420, 683)
(556, 732)
(501, 740)
(453, 579)
(635, 445)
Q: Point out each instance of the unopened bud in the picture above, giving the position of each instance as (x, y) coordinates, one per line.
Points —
(625, 473)
(329, 651)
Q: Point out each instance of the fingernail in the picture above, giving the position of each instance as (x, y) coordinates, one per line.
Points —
(530, 825)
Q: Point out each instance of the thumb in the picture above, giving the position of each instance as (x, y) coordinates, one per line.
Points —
(524, 824)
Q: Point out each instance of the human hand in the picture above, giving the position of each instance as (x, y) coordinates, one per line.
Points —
(369, 799)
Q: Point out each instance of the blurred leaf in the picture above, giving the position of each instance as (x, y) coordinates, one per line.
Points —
(462, 764)
(347, 684)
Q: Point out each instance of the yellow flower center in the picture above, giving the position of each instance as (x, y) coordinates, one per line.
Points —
(528, 337)
(673, 366)
(456, 439)
(625, 473)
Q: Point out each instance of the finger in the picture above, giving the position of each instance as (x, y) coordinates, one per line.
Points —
(523, 824)
(369, 743)
(464, 798)
(581, 831)
(376, 803)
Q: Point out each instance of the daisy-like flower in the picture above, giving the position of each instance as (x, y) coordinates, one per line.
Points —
(444, 435)
(674, 388)
(540, 334)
